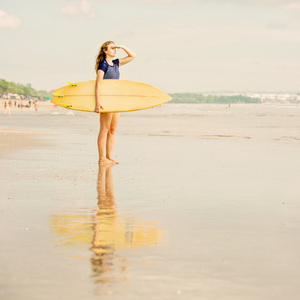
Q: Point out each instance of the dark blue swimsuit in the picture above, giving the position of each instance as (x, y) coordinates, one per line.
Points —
(110, 72)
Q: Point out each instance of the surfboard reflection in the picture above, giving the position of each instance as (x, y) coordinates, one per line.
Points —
(108, 233)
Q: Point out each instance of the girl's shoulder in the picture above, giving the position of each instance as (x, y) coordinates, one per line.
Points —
(116, 61)
(103, 66)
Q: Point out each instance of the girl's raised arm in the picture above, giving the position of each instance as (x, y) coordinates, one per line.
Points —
(127, 59)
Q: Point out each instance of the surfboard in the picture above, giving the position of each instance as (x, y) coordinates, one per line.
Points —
(115, 96)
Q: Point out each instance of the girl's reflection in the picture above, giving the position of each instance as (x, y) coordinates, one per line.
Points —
(105, 261)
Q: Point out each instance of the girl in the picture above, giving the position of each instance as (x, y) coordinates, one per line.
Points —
(107, 68)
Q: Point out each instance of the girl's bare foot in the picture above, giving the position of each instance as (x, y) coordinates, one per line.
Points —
(114, 161)
(104, 161)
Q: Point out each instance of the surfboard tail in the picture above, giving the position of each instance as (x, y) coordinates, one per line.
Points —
(71, 83)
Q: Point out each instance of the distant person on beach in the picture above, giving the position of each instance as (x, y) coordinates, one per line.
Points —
(6, 107)
(35, 105)
(107, 68)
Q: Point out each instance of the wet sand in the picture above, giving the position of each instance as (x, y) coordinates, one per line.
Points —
(205, 204)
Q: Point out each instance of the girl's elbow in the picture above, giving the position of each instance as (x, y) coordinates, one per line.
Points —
(98, 82)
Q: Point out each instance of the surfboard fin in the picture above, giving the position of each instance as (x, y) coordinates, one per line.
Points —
(58, 95)
(72, 83)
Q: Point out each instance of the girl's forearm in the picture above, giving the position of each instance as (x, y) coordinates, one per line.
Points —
(128, 51)
(97, 92)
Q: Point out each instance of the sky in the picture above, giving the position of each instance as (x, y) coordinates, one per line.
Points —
(180, 45)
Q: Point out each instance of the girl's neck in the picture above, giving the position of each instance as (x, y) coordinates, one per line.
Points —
(109, 59)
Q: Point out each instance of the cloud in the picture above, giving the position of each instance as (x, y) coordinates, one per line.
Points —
(83, 8)
(292, 6)
(9, 21)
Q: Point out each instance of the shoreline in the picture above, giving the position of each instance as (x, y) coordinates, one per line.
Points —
(47, 105)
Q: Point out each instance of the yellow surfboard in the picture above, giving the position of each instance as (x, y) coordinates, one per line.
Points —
(115, 96)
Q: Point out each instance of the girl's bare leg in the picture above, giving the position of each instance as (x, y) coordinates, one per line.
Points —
(105, 121)
(111, 137)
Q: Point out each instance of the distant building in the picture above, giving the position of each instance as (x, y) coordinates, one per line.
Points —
(28, 84)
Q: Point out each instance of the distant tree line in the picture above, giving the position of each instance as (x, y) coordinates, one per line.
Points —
(199, 98)
(20, 89)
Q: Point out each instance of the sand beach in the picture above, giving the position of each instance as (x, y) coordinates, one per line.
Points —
(204, 205)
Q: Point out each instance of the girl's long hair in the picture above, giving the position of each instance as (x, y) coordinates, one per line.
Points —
(101, 55)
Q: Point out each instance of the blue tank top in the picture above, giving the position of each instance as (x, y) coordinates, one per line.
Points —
(110, 72)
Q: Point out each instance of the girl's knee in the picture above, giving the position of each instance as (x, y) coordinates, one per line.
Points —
(104, 130)
(112, 130)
